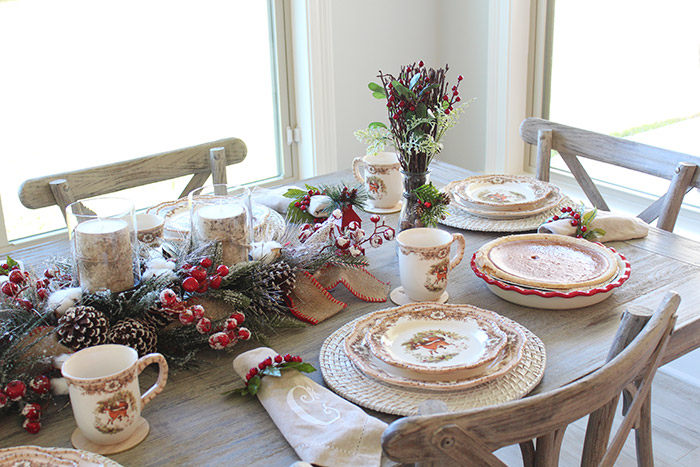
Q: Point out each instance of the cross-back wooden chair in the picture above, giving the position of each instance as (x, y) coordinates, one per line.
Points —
(199, 161)
(572, 143)
(470, 437)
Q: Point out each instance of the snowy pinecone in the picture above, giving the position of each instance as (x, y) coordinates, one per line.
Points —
(135, 333)
(158, 318)
(82, 326)
(281, 276)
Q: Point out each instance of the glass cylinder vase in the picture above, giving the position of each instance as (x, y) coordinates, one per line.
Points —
(410, 217)
(221, 213)
(103, 243)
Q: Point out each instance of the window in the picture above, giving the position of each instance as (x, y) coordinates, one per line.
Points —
(628, 68)
(87, 83)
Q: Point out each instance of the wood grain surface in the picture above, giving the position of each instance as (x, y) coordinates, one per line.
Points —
(192, 423)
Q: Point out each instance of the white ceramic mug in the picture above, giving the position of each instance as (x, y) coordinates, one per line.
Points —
(424, 261)
(149, 228)
(382, 179)
(104, 390)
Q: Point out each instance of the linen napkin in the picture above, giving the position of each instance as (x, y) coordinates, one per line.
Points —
(273, 198)
(323, 428)
(616, 226)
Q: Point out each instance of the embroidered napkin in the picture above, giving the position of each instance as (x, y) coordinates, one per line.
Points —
(616, 226)
(323, 428)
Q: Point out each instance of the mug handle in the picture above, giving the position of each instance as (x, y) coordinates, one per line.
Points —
(157, 388)
(461, 245)
(356, 162)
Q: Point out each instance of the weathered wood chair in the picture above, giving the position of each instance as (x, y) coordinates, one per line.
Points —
(572, 143)
(470, 437)
(200, 161)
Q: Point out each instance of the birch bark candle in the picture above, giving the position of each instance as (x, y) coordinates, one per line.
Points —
(221, 213)
(102, 239)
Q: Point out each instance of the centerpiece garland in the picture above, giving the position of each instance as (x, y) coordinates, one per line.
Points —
(186, 301)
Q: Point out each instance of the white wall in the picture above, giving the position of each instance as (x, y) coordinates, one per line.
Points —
(371, 35)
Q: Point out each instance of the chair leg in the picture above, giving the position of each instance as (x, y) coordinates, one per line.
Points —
(598, 433)
(642, 435)
(527, 450)
(548, 448)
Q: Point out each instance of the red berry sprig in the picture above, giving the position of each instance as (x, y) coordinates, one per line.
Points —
(273, 366)
(198, 278)
(580, 219)
(230, 333)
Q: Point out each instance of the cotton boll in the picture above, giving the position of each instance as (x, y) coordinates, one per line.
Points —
(160, 263)
(60, 300)
(265, 251)
(150, 273)
(59, 386)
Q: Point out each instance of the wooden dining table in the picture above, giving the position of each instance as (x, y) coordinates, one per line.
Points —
(194, 423)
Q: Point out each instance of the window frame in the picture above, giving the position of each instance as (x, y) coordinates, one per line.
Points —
(279, 17)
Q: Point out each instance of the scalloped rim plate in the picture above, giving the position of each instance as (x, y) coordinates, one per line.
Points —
(436, 342)
(55, 456)
(552, 299)
(530, 193)
(553, 199)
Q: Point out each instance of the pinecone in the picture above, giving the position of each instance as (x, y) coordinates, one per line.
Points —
(444, 198)
(82, 326)
(158, 318)
(136, 333)
(281, 276)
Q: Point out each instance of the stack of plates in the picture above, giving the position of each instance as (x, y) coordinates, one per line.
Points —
(502, 203)
(550, 271)
(267, 223)
(391, 360)
(55, 457)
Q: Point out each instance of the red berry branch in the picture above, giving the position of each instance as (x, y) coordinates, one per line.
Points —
(272, 367)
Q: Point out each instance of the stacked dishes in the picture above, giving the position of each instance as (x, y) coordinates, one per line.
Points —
(550, 271)
(502, 203)
(267, 223)
(390, 360)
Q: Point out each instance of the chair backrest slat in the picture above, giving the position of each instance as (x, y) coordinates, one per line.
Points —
(86, 183)
(572, 143)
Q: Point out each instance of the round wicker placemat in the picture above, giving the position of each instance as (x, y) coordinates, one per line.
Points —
(461, 219)
(349, 382)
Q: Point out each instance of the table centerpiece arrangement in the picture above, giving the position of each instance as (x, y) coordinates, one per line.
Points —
(421, 107)
(186, 299)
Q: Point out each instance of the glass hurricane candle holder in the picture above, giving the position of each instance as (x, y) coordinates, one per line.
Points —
(222, 213)
(103, 239)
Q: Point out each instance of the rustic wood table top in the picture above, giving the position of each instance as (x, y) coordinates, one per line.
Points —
(192, 423)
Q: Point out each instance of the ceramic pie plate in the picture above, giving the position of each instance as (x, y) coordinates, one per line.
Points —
(36, 456)
(552, 200)
(358, 352)
(555, 299)
(547, 261)
(452, 342)
(267, 223)
(351, 383)
(502, 192)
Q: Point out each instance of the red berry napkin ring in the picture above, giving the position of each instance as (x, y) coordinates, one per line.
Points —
(580, 219)
(272, 366)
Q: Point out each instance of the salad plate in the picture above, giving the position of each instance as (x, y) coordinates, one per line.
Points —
(360, 355)
(502, 192)
(552, 200)
(457, 342)
(54, 457)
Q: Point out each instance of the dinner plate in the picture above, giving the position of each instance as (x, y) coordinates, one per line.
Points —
(556, 299)
(502, 192)
(446, 342)
(358, 352)
(554, 197)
